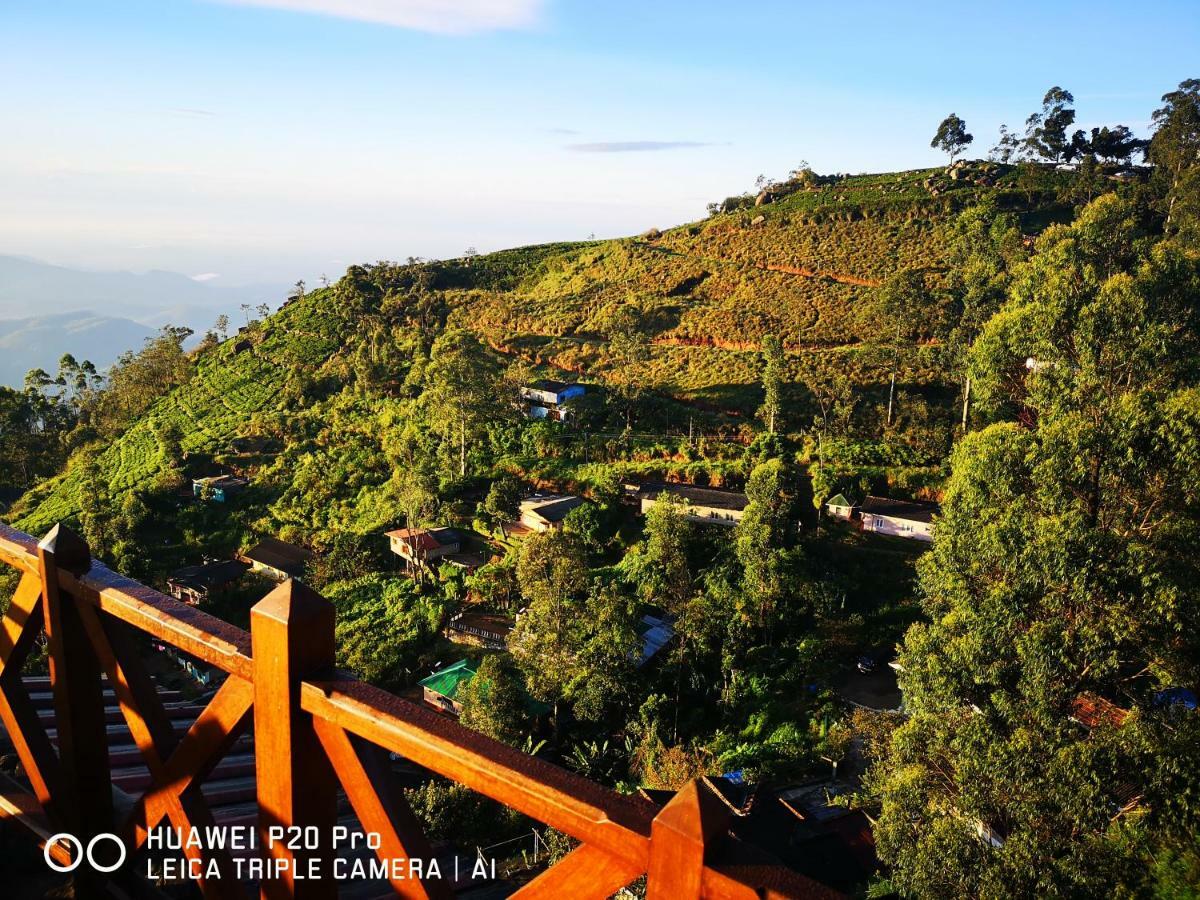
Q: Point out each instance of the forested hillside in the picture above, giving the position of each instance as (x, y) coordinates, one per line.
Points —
(673, 321)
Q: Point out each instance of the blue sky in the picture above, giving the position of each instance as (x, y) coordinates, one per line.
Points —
(248, 140)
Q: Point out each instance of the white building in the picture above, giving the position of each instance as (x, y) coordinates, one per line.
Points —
(546, 512)
(839, 507)
(900, 518)
(548, 399)
(703, 505)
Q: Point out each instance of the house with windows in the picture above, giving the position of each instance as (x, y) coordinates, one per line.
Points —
(839, 507)
(433, 546)
(547, 399)
(482, 629)
(195, 584)
(546, 512)
(218, 488)
(277, 559)
(900, 518)
(440, 689)
(703, 505)
(419, 546)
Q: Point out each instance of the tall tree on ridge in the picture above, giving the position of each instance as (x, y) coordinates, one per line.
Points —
(461, 391)
(1175, 149)
(1046, 131)
(951, 136)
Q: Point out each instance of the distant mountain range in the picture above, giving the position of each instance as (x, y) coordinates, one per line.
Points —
(47, 310)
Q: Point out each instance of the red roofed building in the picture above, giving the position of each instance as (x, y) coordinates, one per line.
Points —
(1091, 710)
(419, 546)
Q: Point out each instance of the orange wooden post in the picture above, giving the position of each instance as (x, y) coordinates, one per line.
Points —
(86, 808)
(292, 638)
(678, 837)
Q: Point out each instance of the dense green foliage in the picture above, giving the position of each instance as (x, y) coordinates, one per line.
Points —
(1065, 567)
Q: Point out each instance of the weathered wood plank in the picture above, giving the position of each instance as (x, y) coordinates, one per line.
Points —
(616, 824)
(206, 742)
(381, 808)
(154, 735)
(292, 631)
(78, 702)
(678, 838)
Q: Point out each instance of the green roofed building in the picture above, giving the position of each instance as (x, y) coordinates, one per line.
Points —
(840, 507)
(441, 688)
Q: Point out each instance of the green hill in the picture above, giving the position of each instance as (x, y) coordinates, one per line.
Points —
(326, 376)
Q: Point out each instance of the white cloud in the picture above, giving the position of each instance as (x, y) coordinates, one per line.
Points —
(439, 16)
(207, 276)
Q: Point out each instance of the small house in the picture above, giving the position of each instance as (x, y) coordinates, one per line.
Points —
(440, 689)
(218, 487)
(839, 507)
(900, 518)
(419, 546)
(277, 559)
(548, 399)
(703, 505)
(195, 584)
(546, 512)
(482, 629)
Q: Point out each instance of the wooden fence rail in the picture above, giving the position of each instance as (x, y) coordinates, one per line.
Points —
(315, 730)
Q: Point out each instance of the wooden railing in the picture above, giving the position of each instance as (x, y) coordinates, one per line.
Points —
(314, 728)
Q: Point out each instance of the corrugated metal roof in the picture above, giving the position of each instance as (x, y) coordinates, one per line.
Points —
(450, 679)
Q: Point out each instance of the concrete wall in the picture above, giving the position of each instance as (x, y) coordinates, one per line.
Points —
(905, 528)
(703, 515)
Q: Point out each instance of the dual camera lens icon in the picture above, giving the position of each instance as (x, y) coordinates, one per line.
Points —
(79, 853)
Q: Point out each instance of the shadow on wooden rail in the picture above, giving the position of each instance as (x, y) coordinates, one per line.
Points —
(315, 729)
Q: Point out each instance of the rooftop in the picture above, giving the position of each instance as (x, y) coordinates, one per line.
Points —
(492, 623)
(551, 386)
(714, 498)
(426, 538)
(551, 507)
(912, 510)
(1091, 710)
(655, 632)
(279, 555)
(447, 681)
(222, 481)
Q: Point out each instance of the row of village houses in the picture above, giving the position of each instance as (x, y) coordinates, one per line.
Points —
(424, 547)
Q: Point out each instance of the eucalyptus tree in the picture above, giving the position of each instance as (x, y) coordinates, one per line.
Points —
(462, 391)
(772, 382)
(1175, 151)
(951, 136)
(1046, 134)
